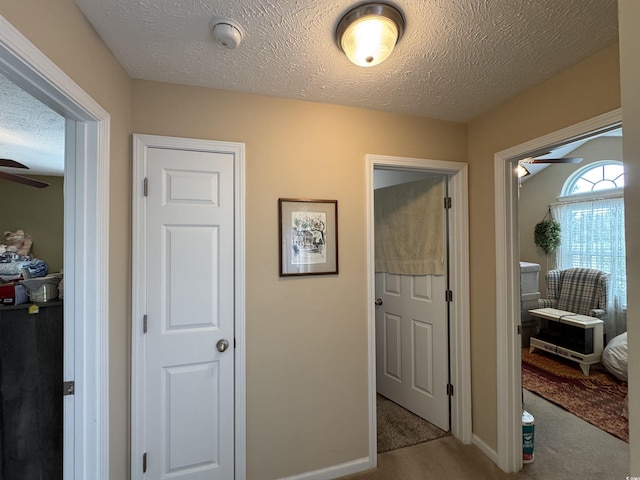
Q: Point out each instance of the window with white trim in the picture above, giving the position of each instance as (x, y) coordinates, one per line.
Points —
(591, 216)
(595, 177)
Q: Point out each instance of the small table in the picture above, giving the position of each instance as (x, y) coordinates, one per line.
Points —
(570, 335)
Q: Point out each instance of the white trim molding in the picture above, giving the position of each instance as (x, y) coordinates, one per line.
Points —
(459, 278)
(141, 143)
(509, 396)
(486, 449)
(335, 471)
(86, 250)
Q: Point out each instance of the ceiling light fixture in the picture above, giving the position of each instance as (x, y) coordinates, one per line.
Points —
(522, 171)
(368, 33)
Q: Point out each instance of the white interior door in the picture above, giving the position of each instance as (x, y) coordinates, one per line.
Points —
(189, 376)
(411, 344)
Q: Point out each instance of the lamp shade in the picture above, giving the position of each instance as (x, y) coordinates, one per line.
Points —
(522, 171)
(368, 33)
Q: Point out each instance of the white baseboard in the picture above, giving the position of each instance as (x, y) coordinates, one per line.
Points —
(486, 449)
(335, 471)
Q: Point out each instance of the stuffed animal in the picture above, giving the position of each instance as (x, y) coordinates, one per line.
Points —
(18, 242)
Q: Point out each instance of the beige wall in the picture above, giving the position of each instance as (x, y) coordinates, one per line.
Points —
(582, 92)
(629, 12)
(39, 212)
(62, 33)
(306, 337)
(543, 189)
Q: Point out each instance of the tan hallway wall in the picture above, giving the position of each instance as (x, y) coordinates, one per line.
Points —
(306, 337)
(62, 33)
(583, 91)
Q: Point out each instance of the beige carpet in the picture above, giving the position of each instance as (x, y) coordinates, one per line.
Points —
(566, 447)
(398, 427)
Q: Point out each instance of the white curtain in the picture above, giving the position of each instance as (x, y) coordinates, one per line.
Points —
(593, 237)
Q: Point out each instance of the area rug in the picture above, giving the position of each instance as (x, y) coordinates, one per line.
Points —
(598, 398)
(398, 427)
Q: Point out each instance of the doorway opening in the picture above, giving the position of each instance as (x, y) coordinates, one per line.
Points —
(412, 318)
(31, 341)
(508, 301)
(456, 173)
(85, 251)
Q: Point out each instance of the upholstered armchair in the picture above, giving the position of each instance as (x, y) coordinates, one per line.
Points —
(578, 290)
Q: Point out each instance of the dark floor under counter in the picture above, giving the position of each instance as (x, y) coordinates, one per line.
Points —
(31, 377)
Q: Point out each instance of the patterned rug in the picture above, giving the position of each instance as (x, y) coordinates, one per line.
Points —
(398, 428)
(598, 398)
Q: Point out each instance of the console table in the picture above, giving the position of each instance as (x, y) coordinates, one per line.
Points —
(569, 335)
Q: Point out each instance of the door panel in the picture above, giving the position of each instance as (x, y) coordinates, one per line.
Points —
(392, 350)
(422, 365)
(190, 391)
(411, 343)
(189, 431)
(181, 294)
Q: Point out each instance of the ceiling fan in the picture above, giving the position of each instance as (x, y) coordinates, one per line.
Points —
(538, 160)
(552, 160)
(5, 162)
(523, 172)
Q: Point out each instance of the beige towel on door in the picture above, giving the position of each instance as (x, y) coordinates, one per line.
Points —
(409, 228)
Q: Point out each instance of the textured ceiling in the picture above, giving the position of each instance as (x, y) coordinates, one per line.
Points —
(30, 132)
(457, 59)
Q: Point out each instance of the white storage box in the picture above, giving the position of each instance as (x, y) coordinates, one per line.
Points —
(529, 301)
(529, 295)
(529, 277)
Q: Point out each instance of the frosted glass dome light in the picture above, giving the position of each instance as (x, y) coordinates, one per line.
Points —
(368, 33)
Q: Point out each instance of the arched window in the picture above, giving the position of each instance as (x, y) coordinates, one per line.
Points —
(591, 215)
(595, 177)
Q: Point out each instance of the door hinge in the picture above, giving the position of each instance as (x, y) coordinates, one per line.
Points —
(144, 324)
(448, 296)
(519, 329)
(145, 186)
(68, 388)
(144, 462)
(450, 389)
(447, 202)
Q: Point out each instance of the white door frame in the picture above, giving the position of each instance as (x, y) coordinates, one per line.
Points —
(459, 284)
(509, 396)
(140, 144)
(86, 254)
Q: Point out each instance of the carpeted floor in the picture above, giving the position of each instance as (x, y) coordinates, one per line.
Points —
(398, 427)
(598, 398)
(566, 448)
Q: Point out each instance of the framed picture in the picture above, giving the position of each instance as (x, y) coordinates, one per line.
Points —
(308, 234)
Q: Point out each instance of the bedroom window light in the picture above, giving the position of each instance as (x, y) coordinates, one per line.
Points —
(595, 177)
(591, 215)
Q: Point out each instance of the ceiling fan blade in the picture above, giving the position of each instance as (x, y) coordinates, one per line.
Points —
(555, 160)
(5, 162)
(23, 180)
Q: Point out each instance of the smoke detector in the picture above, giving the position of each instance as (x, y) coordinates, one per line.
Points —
(226, 32)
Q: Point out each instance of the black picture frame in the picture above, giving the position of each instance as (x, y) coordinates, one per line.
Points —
(308, 237)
